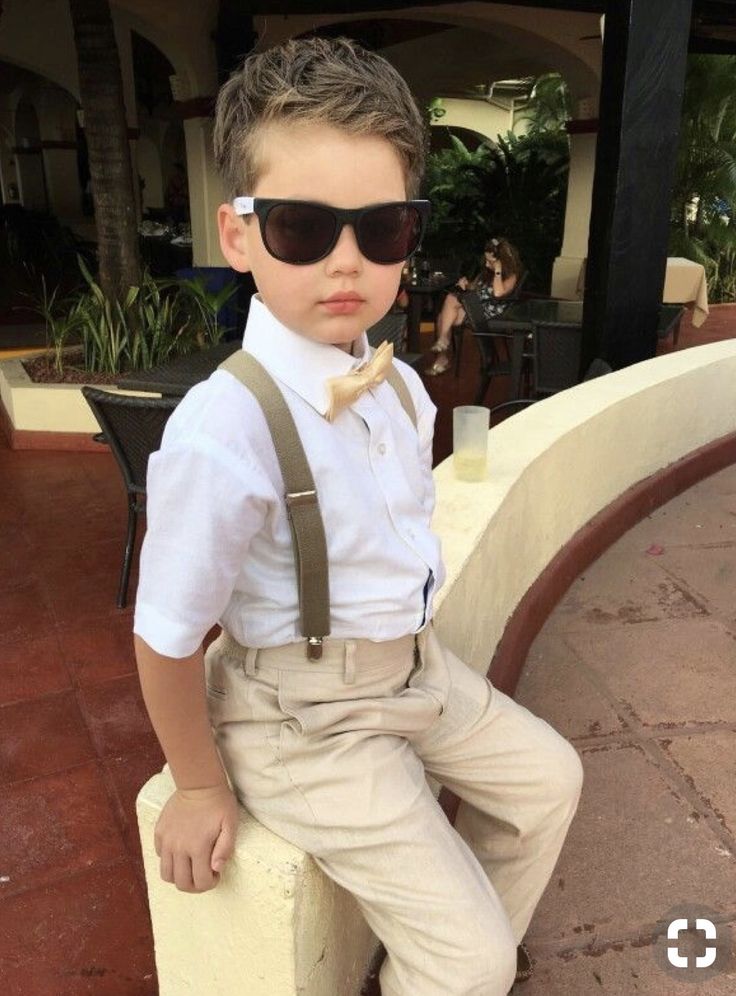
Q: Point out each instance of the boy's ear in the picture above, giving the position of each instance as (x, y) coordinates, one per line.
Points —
(233, 239)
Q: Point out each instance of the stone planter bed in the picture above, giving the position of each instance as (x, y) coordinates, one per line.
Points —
(44, 415)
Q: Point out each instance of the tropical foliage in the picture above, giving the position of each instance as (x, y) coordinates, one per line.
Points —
(705, 183)
(514, 188)
(156, 320)
(548, 105)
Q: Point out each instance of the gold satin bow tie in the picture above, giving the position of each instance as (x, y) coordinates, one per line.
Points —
(344, 390)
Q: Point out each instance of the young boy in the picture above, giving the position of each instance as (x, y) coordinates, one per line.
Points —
(327, 741)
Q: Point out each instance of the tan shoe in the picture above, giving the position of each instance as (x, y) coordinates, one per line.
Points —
(524, 964)
(440, 366)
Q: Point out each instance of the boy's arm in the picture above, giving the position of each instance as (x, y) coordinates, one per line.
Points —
(195, 833)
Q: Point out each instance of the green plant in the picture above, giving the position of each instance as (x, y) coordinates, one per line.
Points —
(705, 180)
(155, 321)
(515, 188)
(62, 319)
(706, 164)
(548, 106)
(207, 305)
(524, 195)
(457, 225)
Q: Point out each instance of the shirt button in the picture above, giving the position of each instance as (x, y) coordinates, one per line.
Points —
(381, 448)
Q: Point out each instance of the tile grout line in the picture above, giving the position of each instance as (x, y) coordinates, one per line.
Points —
(634, 735)
(647, 934)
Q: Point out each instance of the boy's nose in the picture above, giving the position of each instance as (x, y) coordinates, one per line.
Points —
(346, 257)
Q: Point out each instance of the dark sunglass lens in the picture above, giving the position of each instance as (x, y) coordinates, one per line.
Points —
(299, 233)
(389, 234)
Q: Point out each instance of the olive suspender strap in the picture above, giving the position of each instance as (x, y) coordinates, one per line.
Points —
(302, 502)
(398, 383)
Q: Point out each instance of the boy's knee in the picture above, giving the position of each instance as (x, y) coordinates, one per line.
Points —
(572, 773)
(494, 967)
(565, 775)
(488, 964)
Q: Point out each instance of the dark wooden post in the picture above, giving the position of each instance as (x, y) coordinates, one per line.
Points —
(644, 63)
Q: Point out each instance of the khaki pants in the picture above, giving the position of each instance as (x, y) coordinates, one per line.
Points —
(332, 755)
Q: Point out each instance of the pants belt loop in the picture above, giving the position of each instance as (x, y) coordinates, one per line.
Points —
(350, 648)
(251, 657)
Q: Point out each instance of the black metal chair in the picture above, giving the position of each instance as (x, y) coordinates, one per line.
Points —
(557, 349)
(393, 328)
(477, 323)
(557, 357)
(492, 364)
(132, 427)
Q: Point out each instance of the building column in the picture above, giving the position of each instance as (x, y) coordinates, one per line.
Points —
(567, 272)
(644, 64)
(62, 179)
(8, 166)
(205, 186)
(31, 179)
(57, 125)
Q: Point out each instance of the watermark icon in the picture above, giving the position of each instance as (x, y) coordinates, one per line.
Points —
(693, 944)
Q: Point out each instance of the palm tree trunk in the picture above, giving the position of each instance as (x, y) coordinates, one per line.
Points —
(106, 130)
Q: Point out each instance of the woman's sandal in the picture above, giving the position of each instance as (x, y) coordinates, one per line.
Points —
(524, 963)
(441, 364)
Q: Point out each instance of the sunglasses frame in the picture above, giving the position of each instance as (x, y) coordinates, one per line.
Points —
(261, 207)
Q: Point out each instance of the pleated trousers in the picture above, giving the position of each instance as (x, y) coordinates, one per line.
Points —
(332, 755)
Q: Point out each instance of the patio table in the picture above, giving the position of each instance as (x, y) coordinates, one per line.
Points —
(522, 317)
(174, 378)
(685, 283)
(417, 294)
(177, 376)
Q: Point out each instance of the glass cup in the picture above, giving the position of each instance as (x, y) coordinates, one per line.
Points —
(470, 442)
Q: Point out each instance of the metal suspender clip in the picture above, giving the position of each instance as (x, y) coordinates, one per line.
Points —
(314, 648)
(300, 498)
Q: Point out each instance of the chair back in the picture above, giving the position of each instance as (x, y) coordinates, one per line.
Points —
(473, 306)
(557, 356)
(515, 294)
(133, 428)
(391, 328)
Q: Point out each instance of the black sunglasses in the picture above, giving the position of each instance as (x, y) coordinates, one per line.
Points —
(301, 232)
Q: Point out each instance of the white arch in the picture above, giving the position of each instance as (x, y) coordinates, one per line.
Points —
(528, 43)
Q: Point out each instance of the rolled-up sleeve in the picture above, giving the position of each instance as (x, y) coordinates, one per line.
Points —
(203, 508)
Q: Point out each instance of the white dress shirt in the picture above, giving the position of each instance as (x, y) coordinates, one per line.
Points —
(218, 544)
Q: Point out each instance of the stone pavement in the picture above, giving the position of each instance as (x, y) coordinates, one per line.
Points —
(637, 667)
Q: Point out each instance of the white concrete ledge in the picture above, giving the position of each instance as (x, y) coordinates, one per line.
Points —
(56, 408)
(275, 926)
(554, 466)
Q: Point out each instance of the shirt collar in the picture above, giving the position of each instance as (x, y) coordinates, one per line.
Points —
(301, 363)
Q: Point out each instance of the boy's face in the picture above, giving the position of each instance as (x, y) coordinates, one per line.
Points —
(316, 162)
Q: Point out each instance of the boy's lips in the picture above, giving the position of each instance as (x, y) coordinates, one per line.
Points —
(342, 303)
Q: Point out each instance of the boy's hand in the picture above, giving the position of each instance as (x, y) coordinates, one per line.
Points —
(462, 283)
(195, 836)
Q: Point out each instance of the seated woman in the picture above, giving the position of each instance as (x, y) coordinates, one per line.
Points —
(500, 272)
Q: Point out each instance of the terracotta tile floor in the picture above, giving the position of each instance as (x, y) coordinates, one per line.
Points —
(75, 742)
